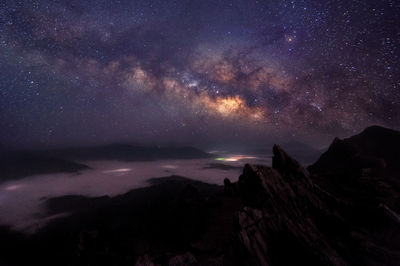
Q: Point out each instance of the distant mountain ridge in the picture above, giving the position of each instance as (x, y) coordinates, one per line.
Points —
(125, 152)
(14, 165)
(19, 164)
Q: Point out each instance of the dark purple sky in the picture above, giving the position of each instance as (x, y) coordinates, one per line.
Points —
(196, 71)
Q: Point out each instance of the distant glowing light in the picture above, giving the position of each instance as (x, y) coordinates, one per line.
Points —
(235, 158)
(13, 187)
(169, 166)
(232, 159)
(119, 170)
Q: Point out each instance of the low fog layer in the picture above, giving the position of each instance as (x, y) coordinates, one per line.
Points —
(23, 202)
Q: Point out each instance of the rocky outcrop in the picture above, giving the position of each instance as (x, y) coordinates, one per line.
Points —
(344, 211)
(186, 259)
(144, 261)
(376, 148)
(280, 206)
(362, 171)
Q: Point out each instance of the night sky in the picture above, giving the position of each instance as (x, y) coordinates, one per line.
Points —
(198, 72)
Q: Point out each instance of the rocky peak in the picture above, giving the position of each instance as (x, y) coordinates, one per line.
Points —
(287, 166)
(331, 215)
(376, 148)
(281, 201)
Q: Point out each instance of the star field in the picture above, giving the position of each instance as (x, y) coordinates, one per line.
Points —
(187, 72)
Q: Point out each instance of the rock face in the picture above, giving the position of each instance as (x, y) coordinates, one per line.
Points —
(362, 171)
(183, 260)
(376, 148)
(281, 203)
(344, 211)
(144, 261)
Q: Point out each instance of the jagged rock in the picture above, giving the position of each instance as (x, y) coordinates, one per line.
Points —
(144, 261)
(287, 166)
(230, 188)
(376, 148)
(282, 202)
(362, 170)
(344, 211)
(253, 237)
(183, 260)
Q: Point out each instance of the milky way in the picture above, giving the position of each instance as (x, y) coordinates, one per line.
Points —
(187, 72)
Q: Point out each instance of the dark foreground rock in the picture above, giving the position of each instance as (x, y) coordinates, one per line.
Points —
(342, 210)
(290, 220)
